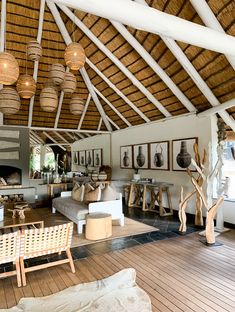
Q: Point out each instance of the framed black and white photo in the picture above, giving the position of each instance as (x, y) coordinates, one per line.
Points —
(140, 155)
(126, 160)
(182, 152)
(75, 158)
(97, 157)
(159, 155)
(82, 158)
(89, 158)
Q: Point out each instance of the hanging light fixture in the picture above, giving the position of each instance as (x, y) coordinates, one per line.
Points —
(76, 104)
(57, 73)
(9, 101)
(48, 99)
(74, 56)
(9, 69)
(34, 50)
(69, 84)
(26, 86)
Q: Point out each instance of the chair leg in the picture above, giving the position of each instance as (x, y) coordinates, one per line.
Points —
(17, 264)
(68, 253)
(22, 271)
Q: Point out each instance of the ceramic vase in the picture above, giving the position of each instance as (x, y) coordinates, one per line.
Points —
(126, 160)
(183, 159)
(97, 160)
(158, 157)
(140, 159)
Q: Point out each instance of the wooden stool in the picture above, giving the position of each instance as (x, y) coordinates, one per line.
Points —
(98, 225)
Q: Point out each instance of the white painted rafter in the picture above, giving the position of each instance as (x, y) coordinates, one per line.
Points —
(68, 130)
(61, 137)
(99, 124)
(2, 37)
(53, 140)
(35, 69)
(84, 111)
(116, 61)
(218, 108)
(59, 109)
(37, 137)
(112, 122)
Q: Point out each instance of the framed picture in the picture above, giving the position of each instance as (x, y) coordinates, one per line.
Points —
(126, 159)
(89, 158)
(159, 155)
(182, 152)
(97, 157)
(82, 158)
(75, 158)
(140, 155)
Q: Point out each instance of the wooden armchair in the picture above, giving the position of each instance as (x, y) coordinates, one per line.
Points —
(43, 241)
(10, 252)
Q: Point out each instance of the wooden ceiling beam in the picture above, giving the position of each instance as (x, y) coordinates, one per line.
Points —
(115, 60)
(35, 70)
(84, 111)
(209, 19)
(53, 140)
(68, 130)
(154, 65)
(155, 21)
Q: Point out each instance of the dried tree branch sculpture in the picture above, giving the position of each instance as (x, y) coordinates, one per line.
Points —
(182, 207)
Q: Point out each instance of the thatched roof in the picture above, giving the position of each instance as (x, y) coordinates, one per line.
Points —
(124, 102)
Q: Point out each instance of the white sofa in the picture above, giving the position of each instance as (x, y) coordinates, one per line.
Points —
(77, 211)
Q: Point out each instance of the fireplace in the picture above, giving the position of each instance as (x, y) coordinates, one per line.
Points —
(10, 175)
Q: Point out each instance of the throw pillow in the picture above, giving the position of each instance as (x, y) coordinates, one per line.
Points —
(78, 192)
(88, 188)
(93, 195)
(108, 193)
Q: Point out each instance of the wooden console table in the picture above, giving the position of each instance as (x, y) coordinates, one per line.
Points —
(52, 186)
(138, 193)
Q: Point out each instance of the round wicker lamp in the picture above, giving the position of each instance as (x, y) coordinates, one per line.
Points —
(48, 99)
(9, 68)
(9, 101)
(57, 73)
(69, 83)
(76, 104)
(74, 56)
(26, 86)
(34, 50)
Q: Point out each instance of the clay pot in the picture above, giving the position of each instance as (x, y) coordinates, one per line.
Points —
(126, 160)
(183, 159)
(140, 159)
(158, 157)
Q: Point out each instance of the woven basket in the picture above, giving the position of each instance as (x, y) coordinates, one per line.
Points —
(69, 84)
(34, 50)
(57, 73)
(26, 86)
(74, 56)
(9, 101)
(48, 99)
(9, 69)
(76, 105)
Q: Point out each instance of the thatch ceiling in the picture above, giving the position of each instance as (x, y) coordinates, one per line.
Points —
(22, 22)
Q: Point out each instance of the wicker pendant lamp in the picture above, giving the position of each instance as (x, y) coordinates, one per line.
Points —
(69, 84)
(57, 73)
(74, 56)
(26, 86)
(9, 69)
(34, 50)
(9, 101)
(48, 99)
(76, 104)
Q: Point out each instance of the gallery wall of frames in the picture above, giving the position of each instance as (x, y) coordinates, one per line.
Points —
(91, 157)
(160, 155)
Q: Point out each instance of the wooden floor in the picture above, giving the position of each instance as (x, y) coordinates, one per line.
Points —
(179, 274)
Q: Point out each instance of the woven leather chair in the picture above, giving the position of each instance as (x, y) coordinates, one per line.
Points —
(43, 241)
(10, 252)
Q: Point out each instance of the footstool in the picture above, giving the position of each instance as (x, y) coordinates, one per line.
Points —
(98, 225)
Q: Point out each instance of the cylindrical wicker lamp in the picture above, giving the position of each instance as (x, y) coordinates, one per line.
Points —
(74, 56)
(76, 104)
(9, 69)
(48, 99)
(9, 101)
(34, 50)
(57, 73)
(69, 83)
(26, 86)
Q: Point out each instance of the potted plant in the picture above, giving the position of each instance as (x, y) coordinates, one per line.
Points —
(136, 175)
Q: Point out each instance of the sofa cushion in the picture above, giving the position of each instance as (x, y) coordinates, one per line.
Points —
(78, 192)
(93, 196)
(108, 193)
(70, 207)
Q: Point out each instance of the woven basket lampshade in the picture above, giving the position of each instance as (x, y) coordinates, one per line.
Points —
(34, 50)
(57, 73)
(69, 83)
(26, 86)
(76, 104)
(74, 56)
(48, 99)
(9, 101)
(9, 69)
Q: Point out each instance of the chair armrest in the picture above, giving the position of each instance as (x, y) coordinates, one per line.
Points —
(66, 194)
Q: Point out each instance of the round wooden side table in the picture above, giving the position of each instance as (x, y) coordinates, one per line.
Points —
(98, 226)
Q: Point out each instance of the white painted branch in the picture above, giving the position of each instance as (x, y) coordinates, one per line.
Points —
(154, 21)
(116, 61)
(217, 109)
(209, 19)
(53, 140)
(84, 111)
(35, 70)
(111, 85)
(112, 122)
(61, 137)
(100, 123)
(112, 107)
(68, 130)
(154, 65)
